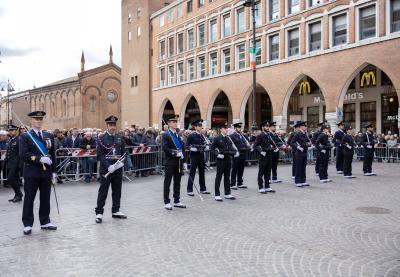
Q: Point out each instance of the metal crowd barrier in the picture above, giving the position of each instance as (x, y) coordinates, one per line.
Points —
(3, 171)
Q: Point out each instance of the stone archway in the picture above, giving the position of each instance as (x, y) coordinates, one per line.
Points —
(220, 109)
(190, 111)
(166, 110)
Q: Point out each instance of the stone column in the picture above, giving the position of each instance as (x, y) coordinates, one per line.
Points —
(331, 119)
(281, 122)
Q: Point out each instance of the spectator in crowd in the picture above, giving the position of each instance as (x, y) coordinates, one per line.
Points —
(3, 147)
(88, 143)
(74, 141)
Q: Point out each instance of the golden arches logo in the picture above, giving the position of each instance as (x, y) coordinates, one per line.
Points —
(366, 77)
(304, 87)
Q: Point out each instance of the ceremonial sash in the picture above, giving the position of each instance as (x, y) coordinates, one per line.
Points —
(176, 141)
(38, 144)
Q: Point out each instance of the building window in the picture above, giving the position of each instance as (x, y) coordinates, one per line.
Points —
(180, 42)
(180, 72)
(258, 51)
(200, 3)
(368, 113)
(293, 42)
(201, 35)
(162, 21)
(190, 39)
(162, 49)
(240, 20)
(258, 13)
(171, 75)
(273, 47)
(64, 107)
(171, 46)
(312, 117)
(138, 12)
(136, 81)
(367, 22)
(132, 82)
(202, 67)
(273, 12)
(213, 64)
(129, 36)
(129, 18)
(293, 6)
(213, 30)
(241, 56)
(139, 31)
(312, 3)
(314, 36)
(226, 25)
(394, 16)
(190, 69)
(226, 60)
(349, 114)
(339, 29)
(162, 77)
(189, 6)
(170, 15)
(92, 103)
(179, 11)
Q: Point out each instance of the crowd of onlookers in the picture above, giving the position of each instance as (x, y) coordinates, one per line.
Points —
(140, 136)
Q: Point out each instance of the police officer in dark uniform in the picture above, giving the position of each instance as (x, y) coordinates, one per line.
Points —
(110, 151)
(323, 146)
(174, 150)
(289, 142)
(224, 149)
(337, 141)
(368, 143)
(314, 140)
(300, 143)
(13, 164)
(196, 145)
(239, 159)
(265, 147)
(36, 149)
(278, 143)
(348, 152)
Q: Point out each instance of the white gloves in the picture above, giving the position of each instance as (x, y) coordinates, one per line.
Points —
(46, 160)
(300, 148)
(311, 147)
(111, 168)
(369, 146)
(276, 150)
(236, 154)
(207, 148)
(348, 146)
(220, 156)
(323, 151)
(179, 155)
(185, 167)
(263, 153)
(54, 179)
(193, 149)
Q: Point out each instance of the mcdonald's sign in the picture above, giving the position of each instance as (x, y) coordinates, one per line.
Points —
(304, 87)
(366, 79)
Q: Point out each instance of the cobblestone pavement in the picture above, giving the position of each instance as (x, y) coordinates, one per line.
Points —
(323, 230)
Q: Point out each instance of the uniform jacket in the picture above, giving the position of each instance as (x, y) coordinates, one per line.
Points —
(30, 155)
(300, 139)
(13, 160)
(322, 142)
(109, 149)
(348, 140)
(198, 141)
(338, 137)
(264, 143)
(223, 145)
(367, 138)
(170, 150)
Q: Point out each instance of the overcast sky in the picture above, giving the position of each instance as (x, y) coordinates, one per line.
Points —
(41, 40)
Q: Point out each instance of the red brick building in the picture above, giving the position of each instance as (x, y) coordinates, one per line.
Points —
(315, 60)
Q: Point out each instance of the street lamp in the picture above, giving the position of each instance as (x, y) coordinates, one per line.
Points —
(253, 51)
(9, 87)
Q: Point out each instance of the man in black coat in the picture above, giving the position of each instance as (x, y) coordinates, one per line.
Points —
(278, 142)
(300, 143)
(348, 153)
(36, 149)
(314, 140)
(239, 159)
(110, 149)
(266, 147)
(289, 142)
(323, 147)
(368, 143)
(196, 145)
(13, 164)
(174, 150)
(337, 142)
(224, 148)
(74, 141)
